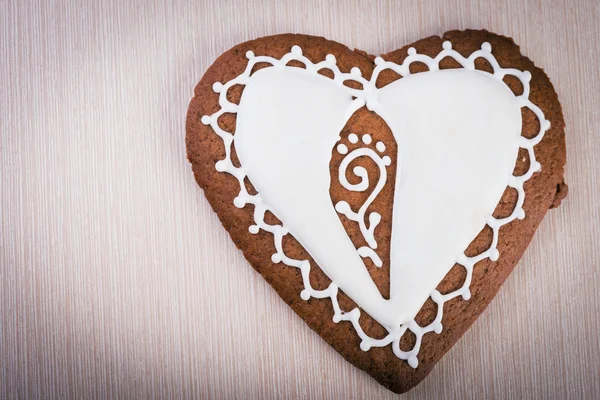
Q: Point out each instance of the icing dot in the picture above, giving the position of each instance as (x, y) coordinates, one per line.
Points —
(249, 54)
(466, 294)
(336, 318)
(485, 46)
(366, 139)
(374, 218)
(387, 160)
(437, 328)
(379, 60)
(253, 229)
(520, 213)
(342, 207)
(342, 148)
(217, 87)
(412, 51)
(305, 295)
(353, 138)
(527, 76)
(546, 125)
(364, 346)
(276, 258)
(494, 254)
(355, 71)
(205, 120)
(239, 202)
(330, 58)
(413, 362)
(447, 45)
(380, 147)
(537, 166)
(220, 165)
(296, 50)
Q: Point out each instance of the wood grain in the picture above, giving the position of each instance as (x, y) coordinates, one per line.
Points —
(116, 278)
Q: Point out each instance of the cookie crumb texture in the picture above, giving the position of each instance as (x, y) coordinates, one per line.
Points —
(545, 190)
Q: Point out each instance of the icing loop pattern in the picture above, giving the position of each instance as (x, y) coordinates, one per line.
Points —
(368, 96)
(343, 207)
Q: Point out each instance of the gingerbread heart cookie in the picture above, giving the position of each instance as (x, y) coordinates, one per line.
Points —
(386, 199)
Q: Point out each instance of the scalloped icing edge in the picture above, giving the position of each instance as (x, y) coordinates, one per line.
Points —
(365, 98)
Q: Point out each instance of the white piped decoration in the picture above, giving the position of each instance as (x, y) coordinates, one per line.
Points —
(370, 253)
(368, 96)
(342, 148)
(343, 207)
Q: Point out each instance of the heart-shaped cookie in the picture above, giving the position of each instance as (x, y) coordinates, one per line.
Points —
(385, 199)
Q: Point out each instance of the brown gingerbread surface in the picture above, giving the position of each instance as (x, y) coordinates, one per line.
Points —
(544, 190)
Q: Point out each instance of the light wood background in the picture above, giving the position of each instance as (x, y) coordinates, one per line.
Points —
(116, 277)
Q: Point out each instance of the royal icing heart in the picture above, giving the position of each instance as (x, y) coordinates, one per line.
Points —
(458, 133)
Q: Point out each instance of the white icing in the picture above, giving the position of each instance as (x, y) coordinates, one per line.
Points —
(286, 157)
(380, 147)
(458, 138)
(368, 252)
(274, 140)
(342, 148)
(343, 207)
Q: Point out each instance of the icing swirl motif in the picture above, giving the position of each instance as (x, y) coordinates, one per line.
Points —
(369, 96)
(343, 207)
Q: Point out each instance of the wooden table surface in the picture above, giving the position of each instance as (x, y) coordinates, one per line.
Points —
(116, 277)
